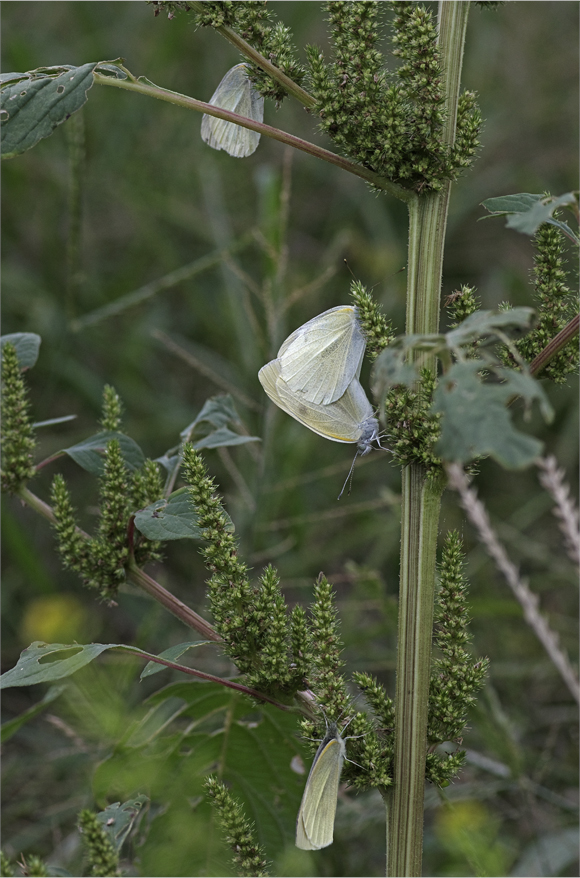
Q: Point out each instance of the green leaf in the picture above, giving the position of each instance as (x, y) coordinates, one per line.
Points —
(34, 104)
(503, 204)
(224, 436)
(46, 662)
(254, 750)
(482, 324)
(171, 654)
(27, 345)
(527, 212)
(217, 410)
(117, 820)
(11, 727)
(476, 421)
(40, 662)
(89, 453)
(173, 518)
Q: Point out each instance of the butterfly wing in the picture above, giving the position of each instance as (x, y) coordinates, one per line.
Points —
(320, 359)
(315, 824)
(236, 94)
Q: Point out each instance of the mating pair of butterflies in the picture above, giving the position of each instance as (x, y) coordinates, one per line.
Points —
(315, 376)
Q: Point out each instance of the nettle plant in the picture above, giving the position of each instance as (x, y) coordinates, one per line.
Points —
(446, 401)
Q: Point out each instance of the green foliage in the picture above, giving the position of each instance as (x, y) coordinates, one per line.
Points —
(18, 441)
(556, 307)
(101, 854)
(526, 212)
(475, 415)
(413, 430)
(253, 620)
(391, 125)
(6, 869)
(33, 104)
(254, 21)
(27, 346)
(377, 329)
(455, 676)
(249, 857)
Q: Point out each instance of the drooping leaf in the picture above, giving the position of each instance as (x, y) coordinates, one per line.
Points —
(11, 727)
(32, 105)
(526, 212)
(476, 421)
(46, 662)
(89, 453)
(27, 345)
(217, 411)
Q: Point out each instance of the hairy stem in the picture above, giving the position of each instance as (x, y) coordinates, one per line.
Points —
(420, 501)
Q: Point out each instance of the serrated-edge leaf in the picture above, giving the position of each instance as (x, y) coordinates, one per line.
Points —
(475, 421)
(27, 345)
(32, 110)
(484, 323)
(528, 222)
(88, 453)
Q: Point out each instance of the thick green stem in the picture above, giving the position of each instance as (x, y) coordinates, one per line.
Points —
(420, 501)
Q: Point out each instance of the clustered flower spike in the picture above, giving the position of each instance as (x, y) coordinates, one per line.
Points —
(412, 430)
(255, 22)
(392, 124)
(17, 434)
(249, 857)
(265, 642)
(378, 331)
(456, 676)
(556, 306)
(103, 859)
(101, 560)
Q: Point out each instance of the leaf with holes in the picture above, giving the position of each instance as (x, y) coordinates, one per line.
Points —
(173, 518)
(32, 105)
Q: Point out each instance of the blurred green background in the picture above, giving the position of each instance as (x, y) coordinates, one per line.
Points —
(128, 193)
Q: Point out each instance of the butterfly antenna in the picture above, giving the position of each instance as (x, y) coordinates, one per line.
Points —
(349, 476)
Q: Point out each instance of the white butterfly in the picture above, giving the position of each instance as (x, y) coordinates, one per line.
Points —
(236, 94)
(321, 358)
(348, 419)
